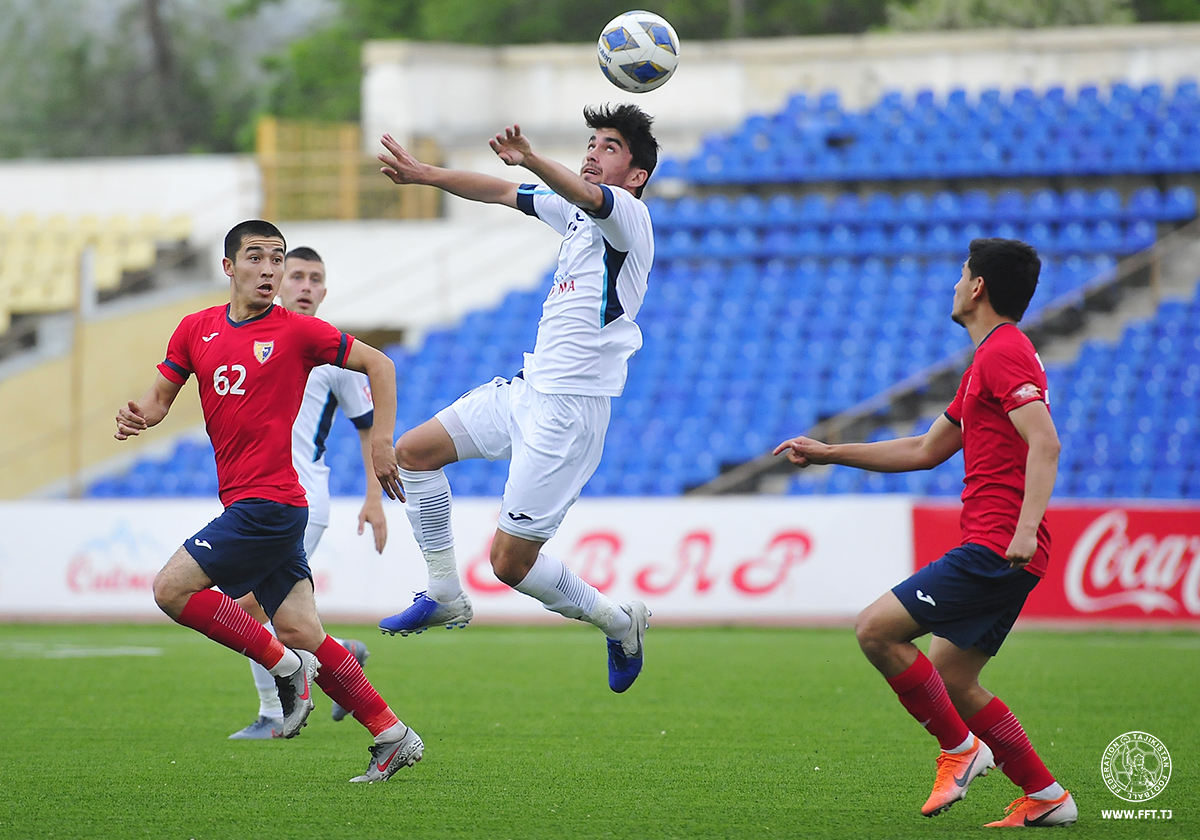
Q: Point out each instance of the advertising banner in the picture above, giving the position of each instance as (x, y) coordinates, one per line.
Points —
(1113, 562)
(757, 559)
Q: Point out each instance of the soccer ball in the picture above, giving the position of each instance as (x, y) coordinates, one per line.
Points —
(638, 51)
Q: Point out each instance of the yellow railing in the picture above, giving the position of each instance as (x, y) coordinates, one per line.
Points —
(314, 170)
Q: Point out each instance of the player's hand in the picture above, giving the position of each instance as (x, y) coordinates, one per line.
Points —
(803, 451)
(511, 147)
(372, 511)
(383, 460)
(1021, 549)
(400, 166)
(130, 421)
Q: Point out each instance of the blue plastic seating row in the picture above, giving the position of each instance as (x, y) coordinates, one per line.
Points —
(1046, 205)
(848, 240)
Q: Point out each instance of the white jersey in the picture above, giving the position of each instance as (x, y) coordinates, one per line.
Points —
(328, 388)
(587, 331)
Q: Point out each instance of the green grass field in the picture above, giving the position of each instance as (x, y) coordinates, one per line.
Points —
(120, 731)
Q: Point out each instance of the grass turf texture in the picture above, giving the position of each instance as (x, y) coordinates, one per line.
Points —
(722, 736)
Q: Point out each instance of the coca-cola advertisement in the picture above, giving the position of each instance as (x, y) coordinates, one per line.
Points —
(1114, 562)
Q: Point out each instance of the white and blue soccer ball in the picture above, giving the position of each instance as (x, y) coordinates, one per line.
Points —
(638, 51)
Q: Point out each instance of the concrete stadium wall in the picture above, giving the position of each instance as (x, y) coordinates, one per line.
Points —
(461, 95)
(119, 351)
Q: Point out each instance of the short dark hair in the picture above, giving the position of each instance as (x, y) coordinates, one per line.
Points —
(634, 125)
(250, 227)
(304, 253)
(1009, 268)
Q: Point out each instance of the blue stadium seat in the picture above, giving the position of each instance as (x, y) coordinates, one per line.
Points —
(1145, 204)
(1009, 207)
(1179, 204)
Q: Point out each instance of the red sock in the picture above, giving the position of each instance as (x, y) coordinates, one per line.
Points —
(342, 678)
(1001, 731)
(219, 617)
(922, 692)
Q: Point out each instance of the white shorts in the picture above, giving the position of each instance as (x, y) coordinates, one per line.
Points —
(553, 440)
(312, 537)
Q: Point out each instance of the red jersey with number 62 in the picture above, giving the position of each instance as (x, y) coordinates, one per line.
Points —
(251, 376)
(1005, 374)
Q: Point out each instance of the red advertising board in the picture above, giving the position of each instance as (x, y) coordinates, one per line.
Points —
(1116, 561)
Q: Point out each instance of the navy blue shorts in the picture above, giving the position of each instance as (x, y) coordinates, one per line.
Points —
(969, 596)
(254, 546)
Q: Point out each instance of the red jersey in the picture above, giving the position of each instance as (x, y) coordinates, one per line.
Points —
(251, 377)
(1005, 374)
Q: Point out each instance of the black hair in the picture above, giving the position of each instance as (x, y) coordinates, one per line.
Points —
(1009, 268)
(250, 227)
(304, 253)
(634, 126)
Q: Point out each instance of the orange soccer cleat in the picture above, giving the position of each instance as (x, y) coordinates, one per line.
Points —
(954, 775)
(1028, 813)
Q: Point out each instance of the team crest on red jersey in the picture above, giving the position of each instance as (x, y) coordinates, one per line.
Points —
(263, 350)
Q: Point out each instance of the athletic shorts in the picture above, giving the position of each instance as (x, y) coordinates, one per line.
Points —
(969, 596)
(554, 442)
(254, 546)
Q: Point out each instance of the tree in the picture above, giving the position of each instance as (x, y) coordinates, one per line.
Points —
(151, 77)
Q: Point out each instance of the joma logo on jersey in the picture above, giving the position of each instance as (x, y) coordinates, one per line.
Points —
(562, 287)
(263, 350)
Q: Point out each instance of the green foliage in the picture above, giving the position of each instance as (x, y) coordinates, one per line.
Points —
(70, 91)
(1166, 10)
(985, 14)
(120, 731)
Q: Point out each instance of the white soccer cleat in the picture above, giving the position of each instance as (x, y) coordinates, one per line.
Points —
(295, 694)
(387, 758)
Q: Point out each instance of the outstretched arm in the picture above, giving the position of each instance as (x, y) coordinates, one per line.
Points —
(513, 148)
(1035, 426)
(133, 418)
(403, 168)
(382, 375)
(923, 452)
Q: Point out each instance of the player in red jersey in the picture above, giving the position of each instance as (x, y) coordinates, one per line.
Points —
(970, 598)
(252, 359)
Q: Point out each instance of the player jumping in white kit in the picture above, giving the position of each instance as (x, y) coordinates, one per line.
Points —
(551, 418)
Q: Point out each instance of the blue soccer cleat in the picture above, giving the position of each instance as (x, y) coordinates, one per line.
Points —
(625, 654)
(263, 729)
(426, 612)
(359, 651)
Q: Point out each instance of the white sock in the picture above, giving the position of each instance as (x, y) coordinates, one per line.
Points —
(964, 746)
(268, 694)
(1054, 791)
(393, 733)
(428, 503)
(443, 584)
(562, 591)
(287, 665)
